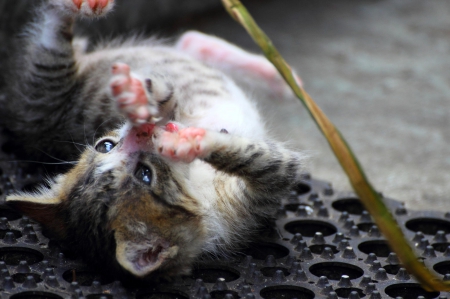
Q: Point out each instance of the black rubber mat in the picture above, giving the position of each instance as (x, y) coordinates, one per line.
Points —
(323, 245)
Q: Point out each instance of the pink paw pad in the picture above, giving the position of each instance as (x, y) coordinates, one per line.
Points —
(184, 145)
(78, 3)
(171, 127)
(92, 7)
(94, 4)
(130, 94)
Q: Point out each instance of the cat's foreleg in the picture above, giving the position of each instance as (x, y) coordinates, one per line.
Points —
(140, 100)
(43, 80)
(265, 167)
(230, 58)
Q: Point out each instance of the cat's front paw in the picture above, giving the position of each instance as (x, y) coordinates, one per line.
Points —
(131, 96)
(183, 145)
(87, 8)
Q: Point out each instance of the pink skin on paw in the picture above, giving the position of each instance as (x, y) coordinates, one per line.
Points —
(94, 4)
(120, 68)
(185, 145)
(130, 92)
(104, 3)
(78, 3)
(171, 127)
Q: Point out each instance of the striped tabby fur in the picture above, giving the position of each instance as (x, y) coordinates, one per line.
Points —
(145, 198)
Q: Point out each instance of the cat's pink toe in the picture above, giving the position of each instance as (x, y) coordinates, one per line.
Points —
(120, 85)
(88, 8)
(184, 145)
(192, 133)
(120, 68)
(130, 94)
(94, 4)
(78, 3)
(171, 127)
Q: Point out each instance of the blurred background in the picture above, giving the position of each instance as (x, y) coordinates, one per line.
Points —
(380, 69)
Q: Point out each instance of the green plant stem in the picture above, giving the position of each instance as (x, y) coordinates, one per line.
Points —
(370, 198)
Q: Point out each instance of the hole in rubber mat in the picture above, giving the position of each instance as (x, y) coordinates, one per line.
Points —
(210, 274)
(21, 277)
(16, 233)
(162, 295)
(409, 291)
(11, 215)
(302, 188)
(392, 269)
(334, 270)
(318, 249)
(286, 292)
(379, 247)
(308, 228)
(85, 278)
(350, 205)
(441, 247)
(345, 292)
(222, 294)
(260, 251)
(102, 296)
(365, 226)
(270, 271)
(428, 226)
(442, 267)
(13, 255)
(35, 295)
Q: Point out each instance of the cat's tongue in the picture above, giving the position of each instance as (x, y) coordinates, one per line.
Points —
(138, 138)
(143, 131)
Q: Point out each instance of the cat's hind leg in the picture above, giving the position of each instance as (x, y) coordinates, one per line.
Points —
(228, 57)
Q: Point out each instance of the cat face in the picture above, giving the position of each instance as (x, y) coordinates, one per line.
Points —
(122, 204)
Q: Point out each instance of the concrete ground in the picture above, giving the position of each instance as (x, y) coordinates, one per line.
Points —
(381, 71)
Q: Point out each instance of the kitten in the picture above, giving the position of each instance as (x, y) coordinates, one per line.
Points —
(183, 165)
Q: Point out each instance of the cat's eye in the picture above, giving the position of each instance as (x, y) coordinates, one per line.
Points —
(143, 173)
(105, 146)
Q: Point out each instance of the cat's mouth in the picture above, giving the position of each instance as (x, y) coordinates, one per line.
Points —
(155, 256)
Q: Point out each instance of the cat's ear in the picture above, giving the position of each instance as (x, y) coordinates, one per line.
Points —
(44, 207)
(142, 255)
